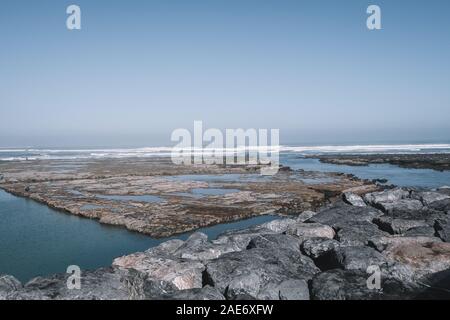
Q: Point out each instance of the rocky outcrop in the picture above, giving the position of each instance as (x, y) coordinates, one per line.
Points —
(430, 197)
(269, 266)
(205, 293)
(353, 199)
(102, 284)
(341, 213)
(442, 227)
(311, 230)
(388, 196)
(398, 226)
(400, 235)
(8, 285)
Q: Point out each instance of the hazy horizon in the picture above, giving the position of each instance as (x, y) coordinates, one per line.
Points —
(137, 70)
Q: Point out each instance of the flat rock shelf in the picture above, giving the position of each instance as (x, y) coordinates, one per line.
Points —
(153, 196)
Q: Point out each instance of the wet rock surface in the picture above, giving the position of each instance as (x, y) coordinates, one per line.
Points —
(341, 252)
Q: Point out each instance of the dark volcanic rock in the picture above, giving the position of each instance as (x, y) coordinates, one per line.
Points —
(340, 284)
(252, 273)
(398, 226)
(317, 247)
(400, 206)
(443, 190)
(102, 284)
(378, 198)
(241, 238)
(420, 232)
(441, 205)
(292, 289)
(425, 214)
(356, 257)
(341, 213)
(275, 242)
(429, 197)
(357, 233)
(442, 227)
(205, 293)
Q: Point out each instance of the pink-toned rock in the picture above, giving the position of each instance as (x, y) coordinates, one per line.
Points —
(182, 274)
(421, 258)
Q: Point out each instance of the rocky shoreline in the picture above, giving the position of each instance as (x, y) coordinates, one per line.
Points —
(438, 162)
(330, 254)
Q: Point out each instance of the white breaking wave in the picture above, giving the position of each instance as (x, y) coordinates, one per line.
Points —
(11, 154)
(369, 148)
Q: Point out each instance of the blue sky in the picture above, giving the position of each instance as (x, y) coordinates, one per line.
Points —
(139, 69)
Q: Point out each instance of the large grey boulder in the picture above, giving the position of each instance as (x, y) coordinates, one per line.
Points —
(356, 258)
(276, 243)
(342, 213)
(159, 271)
(441, 205)
(442, 227)
(240, 239)
(305, 215)
(353, 199)
(444, 190)
(310, 230)
(101, 284)
(197, 247)
(398, 226)
(429, 197)
(397, 207)
(205, 293)
(292, 289)
(315, 248)
(252, 273)
(8, 285)
(357, 233)
(426, 231)
(340, 284)
(383, 197)
(279, 225)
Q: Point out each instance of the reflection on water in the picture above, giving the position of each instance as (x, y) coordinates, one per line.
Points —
(426, 178)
